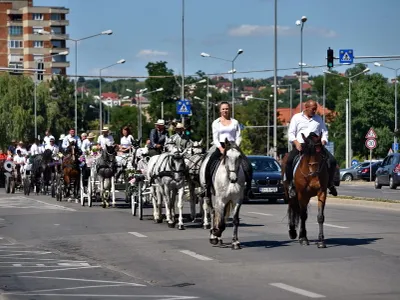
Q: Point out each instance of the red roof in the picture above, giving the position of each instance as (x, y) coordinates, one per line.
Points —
(306, 86)
(284, 113)
(223, 84)
(109, 95)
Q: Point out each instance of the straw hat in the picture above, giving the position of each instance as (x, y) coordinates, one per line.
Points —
(179, 126)
(160, 122)
(105, 129)
(91, 135)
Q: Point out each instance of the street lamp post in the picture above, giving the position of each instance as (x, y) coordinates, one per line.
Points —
(35, 87)
(232, 71)
(291, 96)
(301, 23)
(395, 98)
(349, 149)
(106, 32)
(121, 61)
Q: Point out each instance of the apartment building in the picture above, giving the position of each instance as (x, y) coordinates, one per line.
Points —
(21, 43)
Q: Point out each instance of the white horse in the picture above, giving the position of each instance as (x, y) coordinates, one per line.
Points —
(194, 156)
(228, 181)
(166, 173)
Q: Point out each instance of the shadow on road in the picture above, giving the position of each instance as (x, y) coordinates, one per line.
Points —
(265, 244)
(336, 242)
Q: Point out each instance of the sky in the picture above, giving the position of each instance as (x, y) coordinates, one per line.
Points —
(151, 30)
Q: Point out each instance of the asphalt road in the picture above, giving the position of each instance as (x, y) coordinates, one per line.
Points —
(367, 189)
(51, 250)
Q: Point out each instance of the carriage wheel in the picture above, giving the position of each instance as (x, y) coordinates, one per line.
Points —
(133, 204)
(140, 200)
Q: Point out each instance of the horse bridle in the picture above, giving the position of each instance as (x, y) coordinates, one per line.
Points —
(320, 165)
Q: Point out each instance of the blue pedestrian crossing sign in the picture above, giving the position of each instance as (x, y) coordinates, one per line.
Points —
(346, 56)
(395, 147)
(183, 107)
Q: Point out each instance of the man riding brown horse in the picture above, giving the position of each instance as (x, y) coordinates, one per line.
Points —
(305, 123)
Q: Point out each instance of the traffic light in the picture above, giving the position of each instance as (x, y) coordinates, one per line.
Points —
(330, 58)
(40, 67)
(188, 131)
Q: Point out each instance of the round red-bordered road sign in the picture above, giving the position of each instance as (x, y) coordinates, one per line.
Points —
(370, 144)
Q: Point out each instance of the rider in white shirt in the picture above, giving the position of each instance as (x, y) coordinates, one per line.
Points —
(48, 136)
(21, 147)
(127, 140)
(105, 138)
(87, 142)
(36, 148)
(52, 146)
(67, 138)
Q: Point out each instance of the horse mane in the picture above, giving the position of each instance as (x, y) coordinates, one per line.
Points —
(312, 144)
(229, 146)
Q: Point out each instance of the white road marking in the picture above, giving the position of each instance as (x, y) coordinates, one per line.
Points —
(297, 290)
(96, 296)
(17, 265)
(195, 255)
(56, 224)
(25, 202)
(53, 270)
(334, 226)
(80, 287)
(33, 252)
(258, 213)
(137, 234)
(82, 280)
(1, 238)
(40, 259)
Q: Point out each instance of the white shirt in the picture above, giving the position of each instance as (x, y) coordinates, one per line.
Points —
(19, 159)
(126, 141)
(86, 144)
(46, 139)
(35, 149)
(105, 140)
(301, 124)
(230, 132)
(65, 143)
(53, 148)
(23, 151)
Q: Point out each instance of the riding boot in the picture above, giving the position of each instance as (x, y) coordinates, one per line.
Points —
(289, 179)
(331, 185)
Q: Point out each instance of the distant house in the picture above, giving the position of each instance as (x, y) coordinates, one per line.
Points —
(110, 99)
(284, 113)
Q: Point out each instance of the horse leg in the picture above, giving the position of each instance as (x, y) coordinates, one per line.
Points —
(170, 206)
(206, 209)
(155, 190)
(192, 201)
(303, 232)
(235, 239)
(180, 208)
(113, 190)
(294, 215)
(321, 219)
(218, 224)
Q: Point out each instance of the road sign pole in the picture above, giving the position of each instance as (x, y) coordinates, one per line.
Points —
(370, 165)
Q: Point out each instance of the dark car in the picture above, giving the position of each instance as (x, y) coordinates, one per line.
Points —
(389, 172)
(267, 179)
(364, 172)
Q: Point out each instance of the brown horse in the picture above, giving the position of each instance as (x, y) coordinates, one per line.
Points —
(310, 180)
(71, 171)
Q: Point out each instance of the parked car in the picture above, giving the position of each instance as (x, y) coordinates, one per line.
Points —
(389, 172)
(364, 172)
(350, 174)
(267, 179)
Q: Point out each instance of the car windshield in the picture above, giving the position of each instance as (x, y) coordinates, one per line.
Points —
(264, 164)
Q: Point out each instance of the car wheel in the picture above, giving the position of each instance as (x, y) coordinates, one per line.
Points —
(347, 177)
(391, 184)
(377, 185)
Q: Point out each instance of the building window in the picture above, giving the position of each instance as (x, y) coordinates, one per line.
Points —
(38, 44)
(37, 17)
(38, 57)
(59, 58)
(56, 71)
(58, 44)
(57, 30)
(37, 29)
(15, 58)
(15, 30)
(16, 65)
(15, 44)
(55, 17)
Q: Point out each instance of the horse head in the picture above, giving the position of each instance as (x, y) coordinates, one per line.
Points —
(232, 159)
(171, 147)
(109, 152)
(313, 148)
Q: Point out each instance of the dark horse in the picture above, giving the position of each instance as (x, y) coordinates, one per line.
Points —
(71, 170)
(41, 171)
(106, 168)
(310, 179)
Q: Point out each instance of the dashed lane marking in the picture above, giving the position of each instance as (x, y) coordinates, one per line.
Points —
(137, 234)
(54, 270)
(195, 255)
(97, 296)
(334, 226)
(82, 280)
(258, 213)
(297, 290)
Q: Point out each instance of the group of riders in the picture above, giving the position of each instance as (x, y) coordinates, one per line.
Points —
(224, 128)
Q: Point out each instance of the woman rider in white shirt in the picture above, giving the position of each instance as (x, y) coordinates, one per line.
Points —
(228, 128)
(127, 140)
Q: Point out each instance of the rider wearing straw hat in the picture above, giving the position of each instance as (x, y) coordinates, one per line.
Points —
(105, 138)
(179, 138)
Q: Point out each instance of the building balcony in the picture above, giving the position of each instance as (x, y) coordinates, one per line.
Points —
(59, 36)
(59, 64)
(58, 50)
(14, 23)
(59, 23)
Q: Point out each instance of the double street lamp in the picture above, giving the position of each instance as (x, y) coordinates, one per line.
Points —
(349, 149)
(395, 97)
(106, 32)
(121, 61)
(232, 71)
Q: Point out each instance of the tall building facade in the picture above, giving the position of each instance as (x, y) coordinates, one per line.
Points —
(22, 42)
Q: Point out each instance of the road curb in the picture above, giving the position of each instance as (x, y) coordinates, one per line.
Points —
(362, 202)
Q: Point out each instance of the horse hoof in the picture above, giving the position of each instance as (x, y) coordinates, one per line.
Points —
(214, 241)
(304, 242)
(292, 234)
(158, 221)
(208, 226)
(220, 242)
(171, 225)
(181, 227)
(236, 246)
(321, 245)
